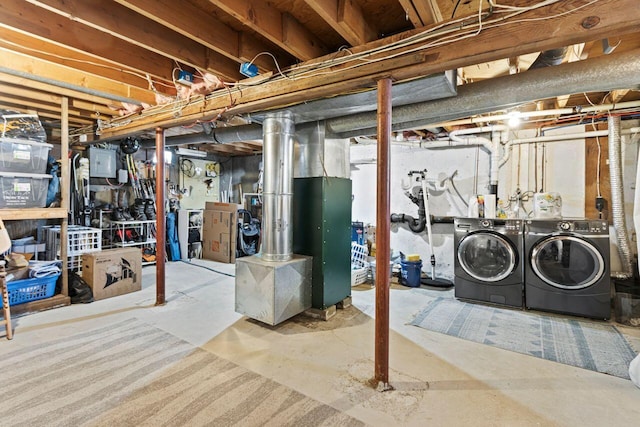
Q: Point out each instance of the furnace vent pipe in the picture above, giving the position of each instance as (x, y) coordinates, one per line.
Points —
(617, 198)
(277, 197)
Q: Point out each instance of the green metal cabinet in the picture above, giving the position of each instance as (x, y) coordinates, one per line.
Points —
(322, 229)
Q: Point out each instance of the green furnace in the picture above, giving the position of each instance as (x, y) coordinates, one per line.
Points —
(322, 229)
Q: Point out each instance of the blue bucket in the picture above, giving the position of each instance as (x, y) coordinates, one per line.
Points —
(411, 272)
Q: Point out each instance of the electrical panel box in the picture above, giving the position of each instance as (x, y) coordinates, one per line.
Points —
(102, 163)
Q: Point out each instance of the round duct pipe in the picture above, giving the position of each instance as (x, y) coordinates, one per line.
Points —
(617, 198)
(600, 74)
(277, 195)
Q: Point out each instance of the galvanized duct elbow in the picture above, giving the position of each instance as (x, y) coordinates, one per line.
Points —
(617, 198)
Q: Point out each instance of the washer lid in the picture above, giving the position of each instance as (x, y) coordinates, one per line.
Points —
(487, 256)
(567, 262)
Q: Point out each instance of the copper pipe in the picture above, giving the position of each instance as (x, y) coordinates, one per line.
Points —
(383, 227)
(161, 231)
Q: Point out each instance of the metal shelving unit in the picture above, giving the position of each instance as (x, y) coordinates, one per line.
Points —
(126, 234)
(189, 221)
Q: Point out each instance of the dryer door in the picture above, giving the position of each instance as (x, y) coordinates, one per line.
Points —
(567, 262)
(487, 256)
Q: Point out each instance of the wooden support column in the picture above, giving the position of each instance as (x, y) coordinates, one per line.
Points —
(64, 191)
(383, 227)
(161, 231)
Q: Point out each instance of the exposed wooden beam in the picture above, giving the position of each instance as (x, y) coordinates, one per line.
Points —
(21, 94)
(50, 88)
(133, 28)
(38, 48)
(226, 149)
(92, 106)
(532, 31)
(41, 106)
(279, 28)
(346, 18)
(616, 96)
(47, 114)
(47, 70)
(422, 12)
(88, 44)
(188, 20)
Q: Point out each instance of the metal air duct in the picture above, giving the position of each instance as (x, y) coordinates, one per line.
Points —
(278, 149)
(602, 74)
(617, 198)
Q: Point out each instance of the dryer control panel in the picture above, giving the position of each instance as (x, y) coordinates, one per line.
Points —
(597, 227)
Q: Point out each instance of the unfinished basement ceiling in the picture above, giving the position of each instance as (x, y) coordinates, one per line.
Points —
(118, 61)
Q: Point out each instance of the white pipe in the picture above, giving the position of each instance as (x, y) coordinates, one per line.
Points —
(542, 113)
(469, 141)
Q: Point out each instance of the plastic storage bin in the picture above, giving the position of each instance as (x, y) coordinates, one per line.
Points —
(23, 190)
(21, 291)
(24, 156)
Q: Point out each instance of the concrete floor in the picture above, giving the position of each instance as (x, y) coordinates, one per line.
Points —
(438, 379)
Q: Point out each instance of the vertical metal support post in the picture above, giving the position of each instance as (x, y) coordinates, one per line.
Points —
(65, 188)
(383, 227)
(161, 231)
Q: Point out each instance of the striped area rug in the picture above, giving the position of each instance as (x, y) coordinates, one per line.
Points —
(133, 374)
(597, 346)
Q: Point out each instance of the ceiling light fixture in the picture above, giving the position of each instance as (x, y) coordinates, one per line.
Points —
(514, 119)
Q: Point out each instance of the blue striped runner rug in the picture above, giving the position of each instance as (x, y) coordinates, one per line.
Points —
(592, 345)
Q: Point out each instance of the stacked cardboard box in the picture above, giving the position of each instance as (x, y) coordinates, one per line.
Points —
(219, 231)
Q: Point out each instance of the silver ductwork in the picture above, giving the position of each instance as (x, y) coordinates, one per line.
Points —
(602, 74)
(278, 149)
(617, 198)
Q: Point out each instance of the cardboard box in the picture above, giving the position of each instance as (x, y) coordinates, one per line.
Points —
(113, 272)
(218, 206)
(219, 231)
(219, 236)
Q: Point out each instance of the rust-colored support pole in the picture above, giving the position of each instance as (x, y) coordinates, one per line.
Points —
(161, 231)
(383, 228)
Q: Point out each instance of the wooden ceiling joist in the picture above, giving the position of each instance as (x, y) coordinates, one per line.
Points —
(422, 12)
(51, 73)
(186, 19)
(280, 28)
(131, 27)
(90, 45)
(532, 31)
(346, 18)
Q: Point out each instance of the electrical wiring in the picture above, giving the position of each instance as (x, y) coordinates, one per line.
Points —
(439, 35)
(598, 193)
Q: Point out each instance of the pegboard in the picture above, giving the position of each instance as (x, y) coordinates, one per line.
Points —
(202, 188)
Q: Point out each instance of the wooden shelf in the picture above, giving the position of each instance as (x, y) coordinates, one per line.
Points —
(58, 300)
(33, 213)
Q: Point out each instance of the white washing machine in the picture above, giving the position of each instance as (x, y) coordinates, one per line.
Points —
(567, 267)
